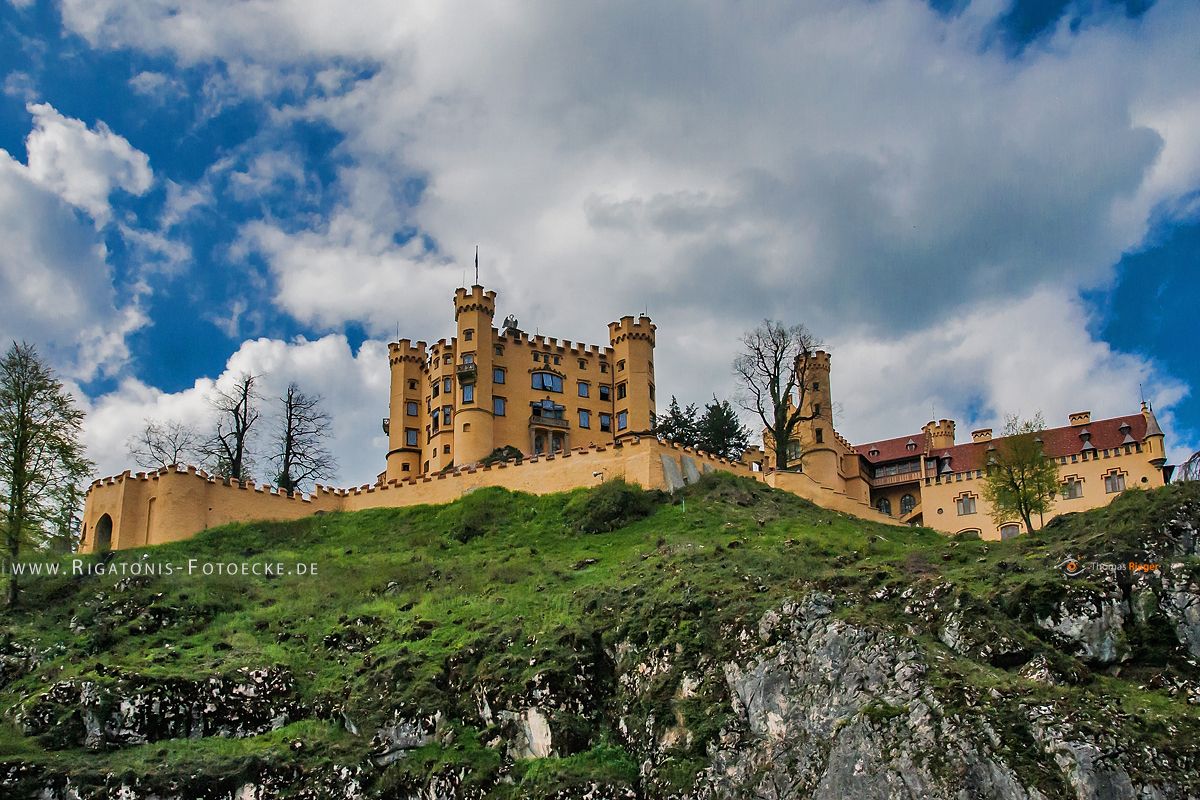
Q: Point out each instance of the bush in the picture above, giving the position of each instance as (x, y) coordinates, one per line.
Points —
(614, 504)
(482, 511)
(506, 453)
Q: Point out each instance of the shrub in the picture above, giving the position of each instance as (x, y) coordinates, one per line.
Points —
(480, 512)
(506, 453)
(614, 504)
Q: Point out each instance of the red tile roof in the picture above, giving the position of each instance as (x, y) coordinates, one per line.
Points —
(1105, 434)
(892, 449)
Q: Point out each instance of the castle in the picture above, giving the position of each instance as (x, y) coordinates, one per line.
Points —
(461, 409)
(927, 478)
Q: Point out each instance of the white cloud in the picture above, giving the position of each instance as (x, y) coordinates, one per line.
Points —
(871, 168)
(81, 165)
(354, 385)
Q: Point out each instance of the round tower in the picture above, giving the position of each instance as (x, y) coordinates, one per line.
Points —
(407, 416)
(813, 370)
(940, 434)
(632, 342)
(474, 424)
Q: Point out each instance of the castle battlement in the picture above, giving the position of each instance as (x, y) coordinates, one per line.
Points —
(627, 328)
(475, 299)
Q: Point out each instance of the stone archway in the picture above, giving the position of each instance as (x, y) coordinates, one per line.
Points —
(103, 534)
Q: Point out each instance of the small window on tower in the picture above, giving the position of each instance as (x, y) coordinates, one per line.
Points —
(499, 350)
(816, 386)
(622, 389)
(468, 334)
(820, 436)
(816, 409)
(537, 356)
(412, 385)
(621, 365)
(446, 449)
(583, 363)
(410, 408)
(603, 368)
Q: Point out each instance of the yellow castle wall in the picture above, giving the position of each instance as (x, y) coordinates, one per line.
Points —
(173, 504)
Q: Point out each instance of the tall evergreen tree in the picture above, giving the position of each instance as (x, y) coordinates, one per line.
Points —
(679, 425)
(42, 462)
(721, 432)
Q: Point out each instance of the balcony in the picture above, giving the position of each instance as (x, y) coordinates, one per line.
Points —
(891, 480)
(548, 422)
(466, 373)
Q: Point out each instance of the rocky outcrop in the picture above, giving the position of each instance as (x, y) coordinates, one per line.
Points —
(135, 710)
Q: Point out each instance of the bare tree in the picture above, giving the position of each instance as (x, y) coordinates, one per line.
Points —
(300, 454)
(42, 462)
(772, 369)
(1190, 469)
(227, 451)
(162, 444)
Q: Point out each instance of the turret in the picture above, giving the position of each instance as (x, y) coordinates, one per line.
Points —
(632, 375)
(474, 424)
(940, 434)
(813, 369)
(1154, 440)
(407, 416)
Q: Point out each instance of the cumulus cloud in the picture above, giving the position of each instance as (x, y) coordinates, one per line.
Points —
(354, 385)
(82, 165)
(875, 169)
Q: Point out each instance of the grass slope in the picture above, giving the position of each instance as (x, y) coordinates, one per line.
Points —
(412, 608)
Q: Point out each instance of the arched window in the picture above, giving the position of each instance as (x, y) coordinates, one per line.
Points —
(884, 505)
(547, 381)
(907, 504)
(104, 534)
(1009, 531)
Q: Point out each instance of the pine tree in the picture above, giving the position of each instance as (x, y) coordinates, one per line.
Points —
(721, 432)
(42, 462)
(679, 425)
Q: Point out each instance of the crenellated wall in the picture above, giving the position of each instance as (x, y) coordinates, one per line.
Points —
(176, 502)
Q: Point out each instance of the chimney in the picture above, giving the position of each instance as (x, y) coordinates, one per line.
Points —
(981, 435)
(1080, 418)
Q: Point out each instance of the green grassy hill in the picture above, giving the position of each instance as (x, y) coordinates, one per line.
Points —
(406, 661)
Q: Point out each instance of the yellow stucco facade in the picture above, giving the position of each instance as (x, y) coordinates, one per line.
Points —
(580, 414)
(928, 478)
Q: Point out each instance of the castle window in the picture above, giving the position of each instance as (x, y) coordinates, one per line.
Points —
(556, 360)
(622, 420)
(911, 445)
(499, 350)
(447, 411)
(447, 385)
(1114, 483)
(404, 467)
(1009, 531)
(606, 393)
(585, 389)
(603, 368)
(468, 334)
(816, 409)
(1072, 489)
(436, 425)
(448, 358)
(426, 468)
(437, 388)
(547, 409)
(411, 408)
(621, 391)
(819, 435)
(412, 385)
(650, 367)
(816, 386)
(468, 358)
(498, 375)
(965, 505)
(585, 418)
(547, 381)
(907, 504)
(583, 363)
(410, 437)
(466, 427)
(499, 406)
(537, 356)
(652, 391)
(884, 506)
(606, 422)
(428, 436)
(468, 393)
(872, 452)
(621, 365)
(446, 449)
(793, 451)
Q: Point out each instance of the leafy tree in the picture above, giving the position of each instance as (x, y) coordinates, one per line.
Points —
(680, 425)
(1020, 480)
(300, 454)
(721, 432)
(42, 462)
(227, 451)
(162, 444)
(773, 369)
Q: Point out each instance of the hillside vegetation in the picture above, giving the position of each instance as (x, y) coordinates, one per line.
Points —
(599, 643)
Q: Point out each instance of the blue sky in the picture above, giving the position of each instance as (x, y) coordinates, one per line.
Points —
(984, 208)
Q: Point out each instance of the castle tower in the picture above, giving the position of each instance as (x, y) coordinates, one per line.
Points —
(407, 413)
(814, 369)
(474, 424)
(632, 375)
(940, 434)
(1154, 439)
